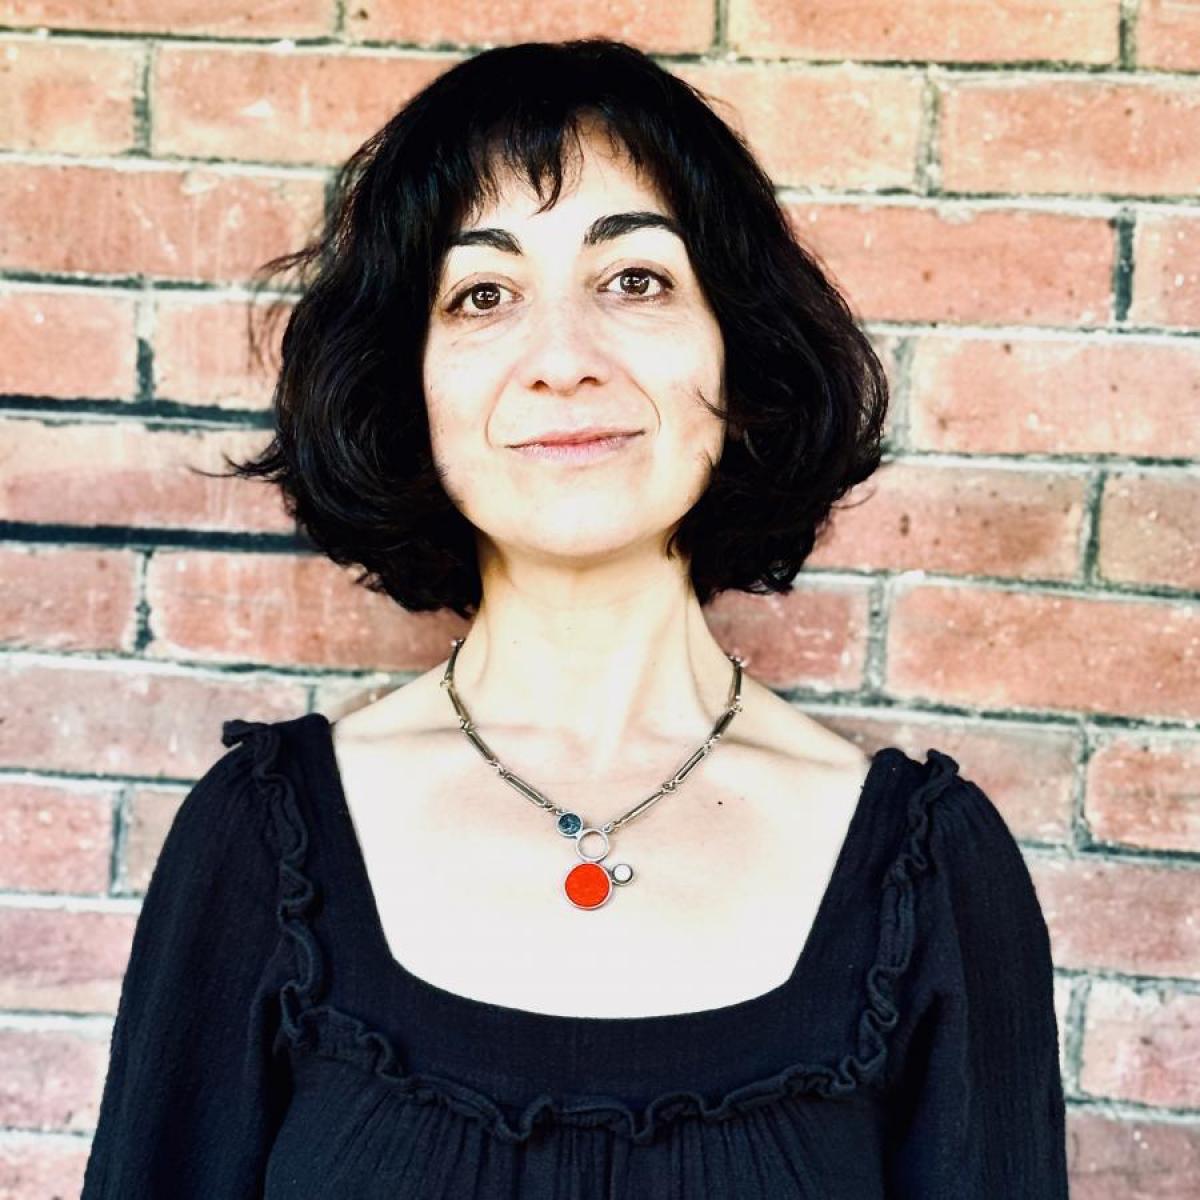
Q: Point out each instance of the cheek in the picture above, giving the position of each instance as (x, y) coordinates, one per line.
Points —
(456, 394)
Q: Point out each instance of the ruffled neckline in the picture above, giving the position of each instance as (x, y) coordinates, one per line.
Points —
(327, 1031)
(529, 1024)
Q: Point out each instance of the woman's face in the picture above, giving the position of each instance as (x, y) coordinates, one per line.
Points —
(550, 322)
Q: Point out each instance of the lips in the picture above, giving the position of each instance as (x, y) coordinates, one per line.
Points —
(592, 450)
(572, 437)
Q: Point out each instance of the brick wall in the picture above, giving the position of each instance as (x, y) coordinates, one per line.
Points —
(1007, 191)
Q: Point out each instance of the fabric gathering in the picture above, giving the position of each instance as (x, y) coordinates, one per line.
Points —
(267, 1043)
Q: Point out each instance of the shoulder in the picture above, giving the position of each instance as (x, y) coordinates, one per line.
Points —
(984, 870)
(222, 847)
(237, 806)
(968, 829)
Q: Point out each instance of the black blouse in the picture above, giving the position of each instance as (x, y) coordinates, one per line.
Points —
(267, 1043)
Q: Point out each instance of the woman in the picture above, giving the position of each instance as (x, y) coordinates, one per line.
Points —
(368, 964)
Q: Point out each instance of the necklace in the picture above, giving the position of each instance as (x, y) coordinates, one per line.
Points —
(589, 884)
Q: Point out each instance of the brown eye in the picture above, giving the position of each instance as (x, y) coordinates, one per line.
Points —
(642, 279)
(474, 292)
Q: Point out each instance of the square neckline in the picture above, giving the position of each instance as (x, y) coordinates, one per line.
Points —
(877, 779)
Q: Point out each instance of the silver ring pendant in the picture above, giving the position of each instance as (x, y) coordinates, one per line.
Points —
(590, 884)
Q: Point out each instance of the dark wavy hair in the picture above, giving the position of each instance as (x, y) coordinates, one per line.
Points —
(805, 394)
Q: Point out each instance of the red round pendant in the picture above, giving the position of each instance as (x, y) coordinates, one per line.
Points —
(587, 885)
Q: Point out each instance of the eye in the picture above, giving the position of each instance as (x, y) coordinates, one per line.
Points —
(642, 276)
(485, 295)
(485, 287)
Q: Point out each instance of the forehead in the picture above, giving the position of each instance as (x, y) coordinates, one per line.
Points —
(598, 178)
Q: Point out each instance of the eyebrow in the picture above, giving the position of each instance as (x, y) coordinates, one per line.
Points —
(603, 229)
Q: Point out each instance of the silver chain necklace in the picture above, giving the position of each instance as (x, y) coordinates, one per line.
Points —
(589, 884)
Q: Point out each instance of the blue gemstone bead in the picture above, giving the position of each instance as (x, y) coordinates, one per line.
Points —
(569, 824)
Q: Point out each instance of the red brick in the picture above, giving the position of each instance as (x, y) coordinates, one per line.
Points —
(72, 961)
(122, 473)
(151, 811)
(1142, 791)
(814, 638)
(52, 1078)
(67, 97)
(201, 223)
(1134, 917)
(682, 26)
(1003, 649)
(1166, 275)
(67, 344)
(1148, 528)
(227, 18)
(944, 30)
(1139, 1044)
(1027, 771)
(959, 520)
(280, 105)
(1127, 1157)
(273, 608)
(54, 838)
(37, 1166)
(862, 128)
(1062, 1008)
(1168, 36)
(136, 718)
(1055, 395)
(1070, 135)
(54, 598)
(202, 352)
(954, 263)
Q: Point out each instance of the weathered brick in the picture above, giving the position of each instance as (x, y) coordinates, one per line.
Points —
(203, 355)
(52, 1078)
(1027, 771)
(272, 608)
(686, 25)
(943, 30)
(959, 520)
(1168, 36)
(1130, 1157)
(201, 223)
(1070, 136)
(954, 263)
(1139, 1044)
(54, 838)
(1055, 395)
(67, 97)
(71, 961)
(122, 473)
(66, 344)
(226, 18)
(861, 128)
(1134, 917)
(56, 598)
(41, 1165)
(1148, 528)
(814, 638)
(278, 104)
(1000, 648)
(1166, 275)
(1142, 791)
(132, 718)
(150, 813)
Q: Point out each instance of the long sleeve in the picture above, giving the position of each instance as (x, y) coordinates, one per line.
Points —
(195, 1084)
(980, 1114)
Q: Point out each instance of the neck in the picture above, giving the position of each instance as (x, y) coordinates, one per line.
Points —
(599, 688)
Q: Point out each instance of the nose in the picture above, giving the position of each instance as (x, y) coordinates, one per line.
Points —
(562, 351)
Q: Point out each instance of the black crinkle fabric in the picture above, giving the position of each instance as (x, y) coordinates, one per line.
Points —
(268, 1044)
